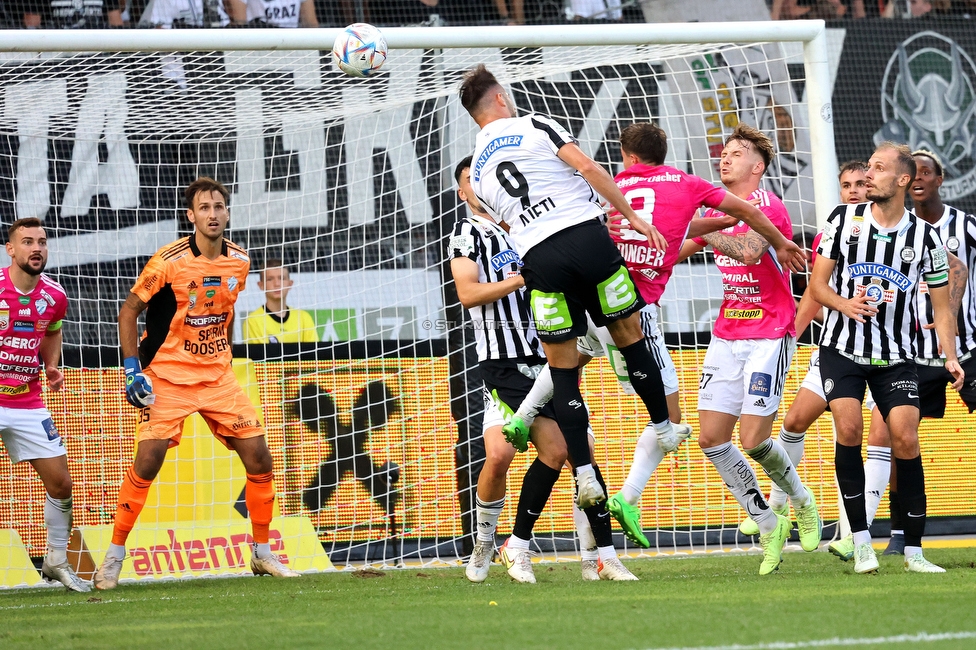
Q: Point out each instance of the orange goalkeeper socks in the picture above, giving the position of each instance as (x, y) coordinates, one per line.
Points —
(259, 496)
(132, 498)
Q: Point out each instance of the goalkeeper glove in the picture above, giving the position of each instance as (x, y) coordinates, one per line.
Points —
(138, 387)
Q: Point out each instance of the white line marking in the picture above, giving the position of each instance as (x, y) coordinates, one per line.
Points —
(921, 637)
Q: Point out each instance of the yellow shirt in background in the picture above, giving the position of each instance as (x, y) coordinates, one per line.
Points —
(296, 327)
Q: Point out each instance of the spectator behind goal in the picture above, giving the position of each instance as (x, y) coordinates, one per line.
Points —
(275, 321)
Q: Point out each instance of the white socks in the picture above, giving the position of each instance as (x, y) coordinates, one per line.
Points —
(517, 543)
(262, 551)
(877, 471)
(115, 550)
(737, 473)
(539, 395)
(647, 456)
(584, 533)
(771, 455)
(792, 444)
(57, 518)
(607, 553)
(488, 514)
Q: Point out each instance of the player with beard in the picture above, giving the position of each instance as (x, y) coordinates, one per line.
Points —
(744, 369)
(867, 274)
(182, 366)
(32, 310)
(957, 231)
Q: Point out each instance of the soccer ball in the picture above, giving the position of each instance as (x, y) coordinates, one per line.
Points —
(360, 50)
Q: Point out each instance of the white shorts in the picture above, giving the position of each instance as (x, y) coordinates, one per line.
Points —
(29, 434)
(813, 382)
(597, 341)
(745, 377)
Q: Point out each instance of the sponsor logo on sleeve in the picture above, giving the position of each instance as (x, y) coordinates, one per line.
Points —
(463, 243)
(48, 297)
(940, 259)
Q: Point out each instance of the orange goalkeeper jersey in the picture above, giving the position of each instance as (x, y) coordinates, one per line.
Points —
(191, 305)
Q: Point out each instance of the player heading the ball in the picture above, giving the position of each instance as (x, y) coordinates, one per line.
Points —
(183, 366)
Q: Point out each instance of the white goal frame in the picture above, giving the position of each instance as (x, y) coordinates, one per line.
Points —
(812, 33)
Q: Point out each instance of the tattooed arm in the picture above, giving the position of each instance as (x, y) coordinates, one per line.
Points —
(747, 248)
(958, 279)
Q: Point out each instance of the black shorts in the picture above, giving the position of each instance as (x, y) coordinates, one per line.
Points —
(932, 382)
(513, 379)
(574, 272)
(891, 385)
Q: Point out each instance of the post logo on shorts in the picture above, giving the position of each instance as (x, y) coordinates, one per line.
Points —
(761, 384)
(617, 293)
(551, 312)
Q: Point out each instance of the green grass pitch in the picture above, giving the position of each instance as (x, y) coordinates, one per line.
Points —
(709, 601)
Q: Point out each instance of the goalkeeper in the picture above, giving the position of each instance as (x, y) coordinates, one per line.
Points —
(188, 290)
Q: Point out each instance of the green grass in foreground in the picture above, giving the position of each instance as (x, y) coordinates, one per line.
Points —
(679, 602)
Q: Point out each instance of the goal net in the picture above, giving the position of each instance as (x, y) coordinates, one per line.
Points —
(376, 427)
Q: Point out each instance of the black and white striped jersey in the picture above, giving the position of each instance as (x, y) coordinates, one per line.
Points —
(503, 329)
(887, 265)
(958, 232)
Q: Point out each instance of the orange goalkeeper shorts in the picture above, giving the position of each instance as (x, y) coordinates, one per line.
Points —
(222, 404)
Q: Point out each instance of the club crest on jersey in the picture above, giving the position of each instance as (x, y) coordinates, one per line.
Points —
(41, 306)
(875, 292)
(493, 146)
(907, 254)
(952, 243)
(504, 258)
(232, 282)
(882, 272)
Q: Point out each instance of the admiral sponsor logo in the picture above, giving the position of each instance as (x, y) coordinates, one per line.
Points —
(495, 145)
(23, 326)
(212, 281)
(743, 314)
(30, 359)
(504, 258)
(864, 269)
(205, 320)
(24, 312)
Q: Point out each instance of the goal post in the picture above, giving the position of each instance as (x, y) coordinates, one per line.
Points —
(374, 428)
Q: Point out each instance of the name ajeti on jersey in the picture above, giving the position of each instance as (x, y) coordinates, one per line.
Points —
(519, 178)
(757, 302)
(24, 322)
(668, 198)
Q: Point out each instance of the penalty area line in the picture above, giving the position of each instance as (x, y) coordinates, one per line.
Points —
(921, 637)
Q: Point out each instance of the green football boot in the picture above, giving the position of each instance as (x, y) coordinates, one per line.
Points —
(772, 545)
(515, 430)
(628, 517)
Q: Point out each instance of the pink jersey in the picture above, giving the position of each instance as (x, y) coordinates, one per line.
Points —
(757, 302)
(668, 198)
(25, 319)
